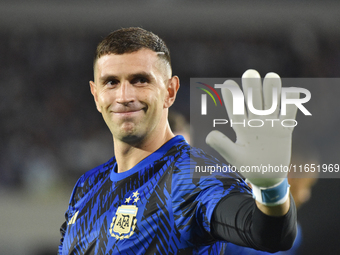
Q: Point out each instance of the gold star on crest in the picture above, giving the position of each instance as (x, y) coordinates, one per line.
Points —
(135, 194)
(127, 200)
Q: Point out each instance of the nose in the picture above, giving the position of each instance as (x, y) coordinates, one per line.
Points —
(125, 93)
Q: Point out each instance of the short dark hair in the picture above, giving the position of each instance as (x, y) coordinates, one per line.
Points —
(127, 40)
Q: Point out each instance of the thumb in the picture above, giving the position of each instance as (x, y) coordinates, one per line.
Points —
(222, 144)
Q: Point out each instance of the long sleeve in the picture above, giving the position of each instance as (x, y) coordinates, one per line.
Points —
(237, 219)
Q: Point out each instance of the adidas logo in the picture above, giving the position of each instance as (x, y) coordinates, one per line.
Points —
(73, 219)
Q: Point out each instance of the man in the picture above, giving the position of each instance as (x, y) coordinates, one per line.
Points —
(144, 200)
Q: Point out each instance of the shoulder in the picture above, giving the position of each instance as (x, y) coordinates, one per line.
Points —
(182, 151)
(91, 179)
(98, 172)
(193, 158)
(196, 166)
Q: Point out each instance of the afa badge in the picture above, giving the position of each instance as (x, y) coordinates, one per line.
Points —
(124, 223)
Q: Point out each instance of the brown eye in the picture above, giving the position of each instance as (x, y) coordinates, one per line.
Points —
(111, 83)
(140, 80)
(143, 80)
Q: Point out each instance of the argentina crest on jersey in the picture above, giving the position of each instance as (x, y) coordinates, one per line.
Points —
(124, 222)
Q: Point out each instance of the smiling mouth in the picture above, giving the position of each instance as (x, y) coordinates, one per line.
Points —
(127, 113)
(128, 110)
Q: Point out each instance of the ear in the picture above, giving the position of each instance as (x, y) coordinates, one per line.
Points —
(172, 89)
(93, 87)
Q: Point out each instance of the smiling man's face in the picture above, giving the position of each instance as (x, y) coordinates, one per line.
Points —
(131, 92)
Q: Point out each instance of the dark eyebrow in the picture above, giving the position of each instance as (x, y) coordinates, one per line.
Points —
(139, 75)
(110, 77)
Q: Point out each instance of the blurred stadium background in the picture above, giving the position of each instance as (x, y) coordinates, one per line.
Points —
(51, 132)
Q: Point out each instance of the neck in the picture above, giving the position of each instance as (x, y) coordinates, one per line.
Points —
(130, 154)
